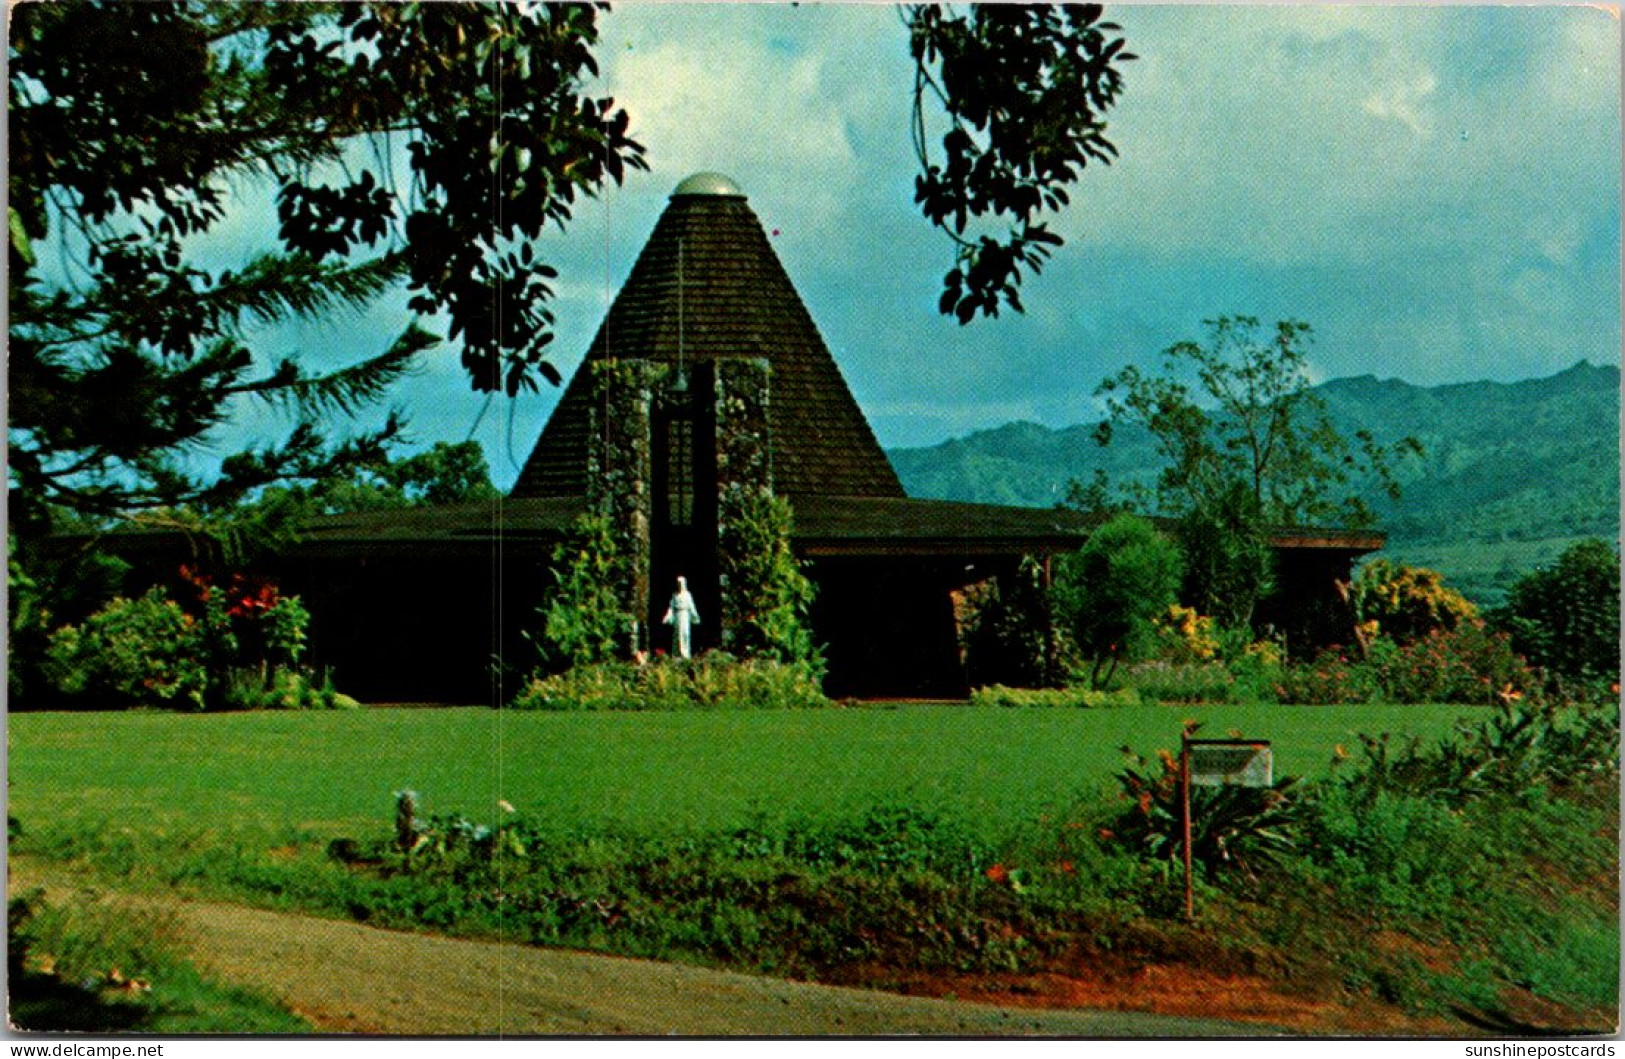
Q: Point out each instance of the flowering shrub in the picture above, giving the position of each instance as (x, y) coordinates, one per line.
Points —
(139, 652)
(1263, 653)
(231, 646)
(1330, 680)
(1467, 664)
(248, 621)
(1186, 636)
(715, 680)
(1405, 603)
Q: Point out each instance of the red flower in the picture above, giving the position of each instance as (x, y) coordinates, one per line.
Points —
(252, 597)
(198, 581)
(998, 873)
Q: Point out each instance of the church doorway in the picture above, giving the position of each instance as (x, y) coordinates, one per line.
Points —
(683, 530)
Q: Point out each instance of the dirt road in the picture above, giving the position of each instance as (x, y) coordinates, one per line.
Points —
(349, 978)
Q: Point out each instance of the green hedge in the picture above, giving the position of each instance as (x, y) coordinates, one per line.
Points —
(715, 680)
(1065, 698)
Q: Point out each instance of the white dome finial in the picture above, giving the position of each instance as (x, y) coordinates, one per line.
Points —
(709, 184)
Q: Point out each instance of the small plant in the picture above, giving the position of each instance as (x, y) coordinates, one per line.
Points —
(1235, 830)
(1180, 682)
(285, 688)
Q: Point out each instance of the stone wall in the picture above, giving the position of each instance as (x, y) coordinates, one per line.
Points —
(619, 471)
(744, 474)
(627, 396)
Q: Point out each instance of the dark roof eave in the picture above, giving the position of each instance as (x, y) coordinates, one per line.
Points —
(820, 547)
(823, 526)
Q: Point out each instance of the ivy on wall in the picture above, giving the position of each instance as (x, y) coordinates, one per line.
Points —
(765, 595)
(585, 619)
(602, 571)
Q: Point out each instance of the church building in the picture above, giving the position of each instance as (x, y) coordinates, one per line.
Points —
(707, 374)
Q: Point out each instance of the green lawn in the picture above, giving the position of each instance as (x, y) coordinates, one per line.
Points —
(334, 773)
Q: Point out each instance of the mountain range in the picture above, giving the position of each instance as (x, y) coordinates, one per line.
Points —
(1511, 473)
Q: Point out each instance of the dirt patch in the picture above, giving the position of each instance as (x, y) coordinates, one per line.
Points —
(1166, 990)
(1180, 990)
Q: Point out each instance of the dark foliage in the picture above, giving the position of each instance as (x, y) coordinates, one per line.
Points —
(1025, 89)
(130, 126)
(1565, 617)
(1008, 632)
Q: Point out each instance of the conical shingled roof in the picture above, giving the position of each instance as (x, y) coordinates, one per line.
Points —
(736, 301)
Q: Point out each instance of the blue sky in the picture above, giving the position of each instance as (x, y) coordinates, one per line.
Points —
(1436, 190)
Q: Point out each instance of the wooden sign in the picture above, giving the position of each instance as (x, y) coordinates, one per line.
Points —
(1231, 763)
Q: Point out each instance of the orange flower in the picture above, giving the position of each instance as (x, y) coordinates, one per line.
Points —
(999, 873)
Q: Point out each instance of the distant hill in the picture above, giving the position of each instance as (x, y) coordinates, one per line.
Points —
(1512, 473)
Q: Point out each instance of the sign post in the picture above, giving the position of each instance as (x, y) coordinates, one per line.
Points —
(1218, 763)
(1185, 794)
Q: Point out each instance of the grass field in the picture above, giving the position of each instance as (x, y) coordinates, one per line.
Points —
(270, 773)
(893, 846)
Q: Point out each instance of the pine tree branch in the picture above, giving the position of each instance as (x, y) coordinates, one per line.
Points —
(274, 287)
(344, 390)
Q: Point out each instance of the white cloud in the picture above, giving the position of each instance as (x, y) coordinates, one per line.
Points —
(770, 95)
(1405, 101)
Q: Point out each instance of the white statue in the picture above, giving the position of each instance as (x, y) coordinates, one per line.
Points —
(682, 614)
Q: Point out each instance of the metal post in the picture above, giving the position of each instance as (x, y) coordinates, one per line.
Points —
(1185, 796)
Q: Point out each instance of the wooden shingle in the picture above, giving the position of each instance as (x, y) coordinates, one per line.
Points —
(734, 300)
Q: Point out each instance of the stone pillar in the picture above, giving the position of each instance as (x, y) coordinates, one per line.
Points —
(619, 472)
(744, 474)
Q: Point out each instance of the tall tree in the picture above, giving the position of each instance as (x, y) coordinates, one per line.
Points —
(1246, 448)
(1251, 420)
(424, 143)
